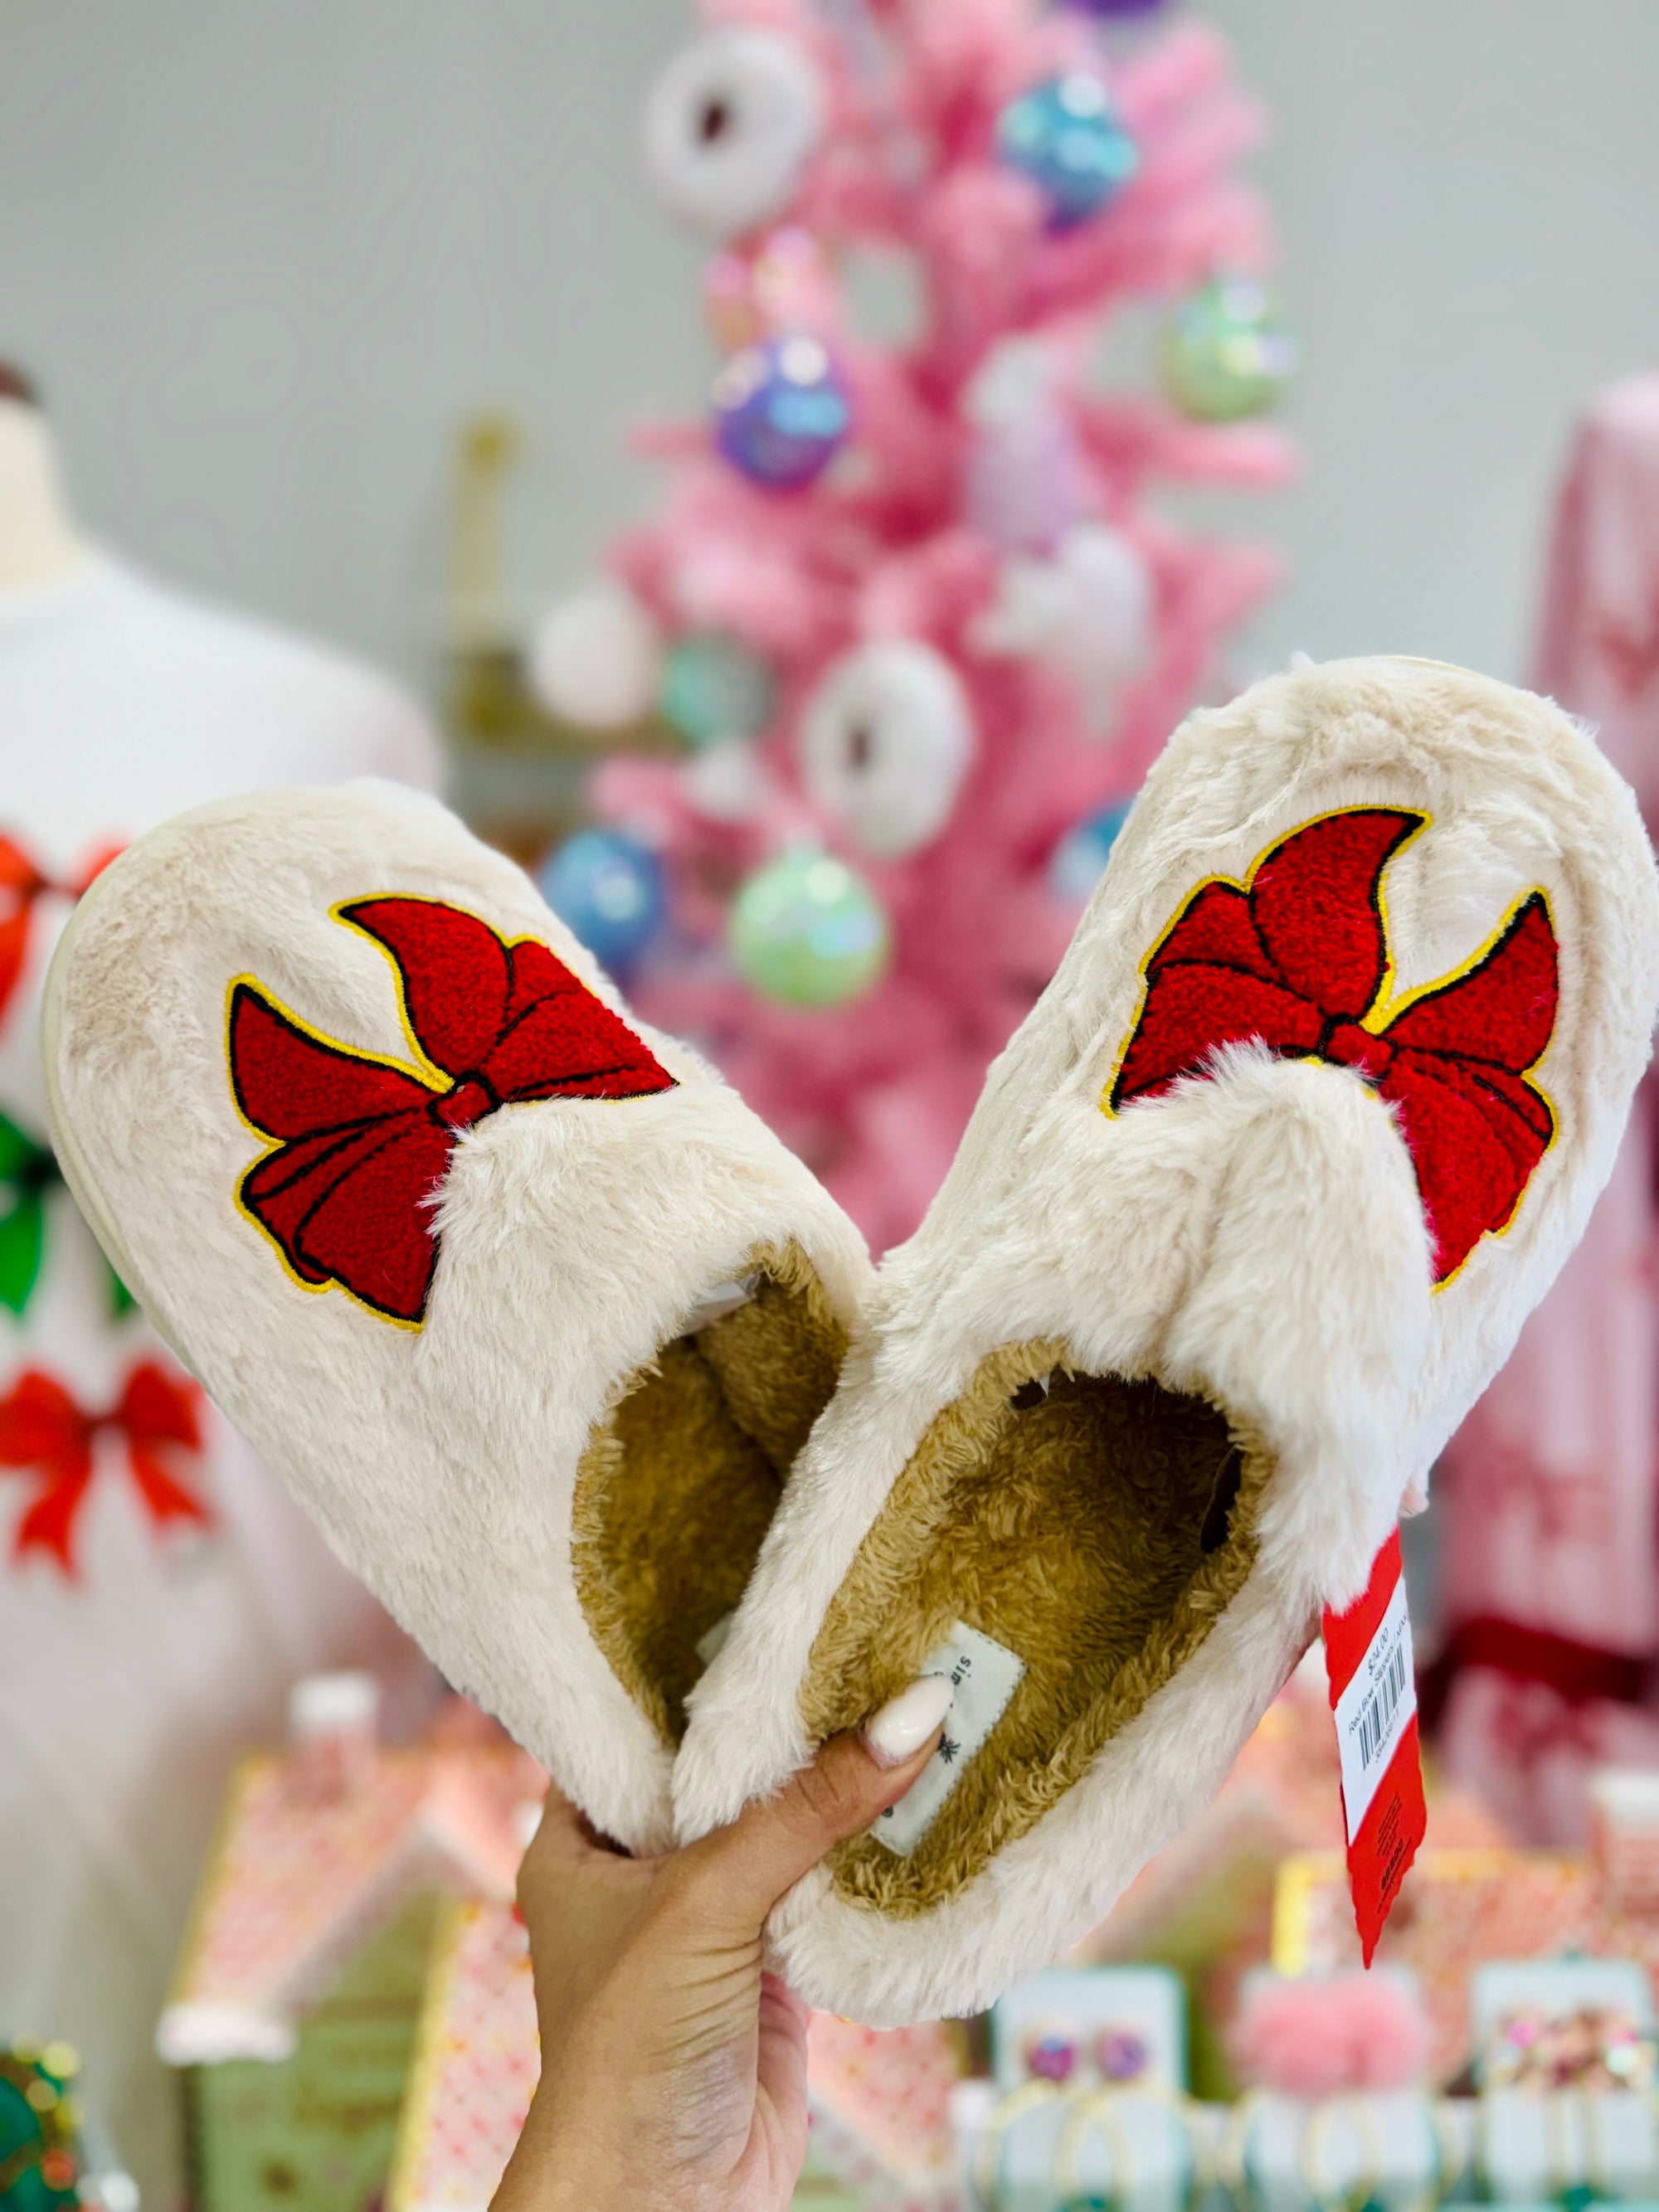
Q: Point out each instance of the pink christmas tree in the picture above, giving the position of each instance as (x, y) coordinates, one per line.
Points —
(911, 602)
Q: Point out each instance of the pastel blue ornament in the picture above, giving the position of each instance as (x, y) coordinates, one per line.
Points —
(1226, 353)
(807, 932)
(1080, 858)
(713, 689)
(782, 412)
(609, 889)
(1065, 136)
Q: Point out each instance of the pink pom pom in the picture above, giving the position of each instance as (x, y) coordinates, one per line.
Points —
(1390, 2031)
(1324, 2035)
(1283, 2040)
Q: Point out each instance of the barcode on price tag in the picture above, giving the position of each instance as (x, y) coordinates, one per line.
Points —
(1375, 1709)
(1368, 1659)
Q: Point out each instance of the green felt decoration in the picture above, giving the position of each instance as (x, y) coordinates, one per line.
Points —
(27, 1171)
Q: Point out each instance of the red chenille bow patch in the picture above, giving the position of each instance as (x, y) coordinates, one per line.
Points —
(1298, 959)
(363, 1145)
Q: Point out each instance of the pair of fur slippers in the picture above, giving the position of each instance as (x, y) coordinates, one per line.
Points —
(591, 1384)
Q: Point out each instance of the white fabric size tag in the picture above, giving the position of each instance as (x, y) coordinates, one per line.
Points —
(713, 1641)
(985, 1676)
(1373, 1712)
(715, 1306)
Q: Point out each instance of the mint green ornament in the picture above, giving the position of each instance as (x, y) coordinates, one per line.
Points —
(713, 689)
(1226, 353)
(806, 932)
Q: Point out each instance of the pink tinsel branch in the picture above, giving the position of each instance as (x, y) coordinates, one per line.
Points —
(888, 545)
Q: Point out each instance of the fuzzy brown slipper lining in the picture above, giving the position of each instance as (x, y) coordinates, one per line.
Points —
(1097, 1528)
(675, 1493)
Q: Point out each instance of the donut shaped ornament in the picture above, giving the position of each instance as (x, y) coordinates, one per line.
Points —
(885, 743)
(730, 127)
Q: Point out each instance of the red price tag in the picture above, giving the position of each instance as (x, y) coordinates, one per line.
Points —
(1368, 1659)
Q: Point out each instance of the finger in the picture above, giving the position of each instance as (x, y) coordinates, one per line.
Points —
(739, 1874)
(564, 1844)
(561, 1833)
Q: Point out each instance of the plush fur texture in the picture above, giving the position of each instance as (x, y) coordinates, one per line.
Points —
(577, 1237)
(1254, 1239)
(676, 1491)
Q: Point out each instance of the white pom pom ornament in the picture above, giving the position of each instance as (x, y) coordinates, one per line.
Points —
(595, 658)
(728, 783)
(1114, 601)
(885, 743)
(729, 127)
(1087, 611)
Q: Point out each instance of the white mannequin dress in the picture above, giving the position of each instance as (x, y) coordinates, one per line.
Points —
(131, 1683)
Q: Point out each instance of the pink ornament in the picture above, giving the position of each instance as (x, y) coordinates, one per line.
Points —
(781, 284)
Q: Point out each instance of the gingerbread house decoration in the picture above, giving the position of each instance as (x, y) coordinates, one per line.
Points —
(476, 2062)
(318, 1847)
(879, 2102)
(880, 2111)
(294, 2012)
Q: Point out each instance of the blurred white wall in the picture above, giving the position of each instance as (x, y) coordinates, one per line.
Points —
(1465, 193)
(265, 253)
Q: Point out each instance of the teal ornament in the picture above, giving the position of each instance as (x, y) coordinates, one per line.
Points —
(806, 931)
(1226, 353)
(1080, 858)
(713, 689)
(608, 888)
(1065, 136)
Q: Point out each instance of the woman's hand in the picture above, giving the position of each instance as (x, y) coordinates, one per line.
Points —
(673, 2071)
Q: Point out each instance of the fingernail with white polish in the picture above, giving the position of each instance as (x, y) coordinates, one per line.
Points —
(905, 1723)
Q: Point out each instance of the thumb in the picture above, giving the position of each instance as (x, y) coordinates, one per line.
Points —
(738, 1874)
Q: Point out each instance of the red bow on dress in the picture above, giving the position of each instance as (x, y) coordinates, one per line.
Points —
(364, 1144)
(21, 883)
(1298, 960)
(44, 1432)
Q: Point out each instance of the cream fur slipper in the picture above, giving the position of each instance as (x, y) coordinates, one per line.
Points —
(529, 1310)
(1251, 1211)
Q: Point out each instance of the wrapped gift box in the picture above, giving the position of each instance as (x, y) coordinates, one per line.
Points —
(1205, 1906)
(1459, 1909)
